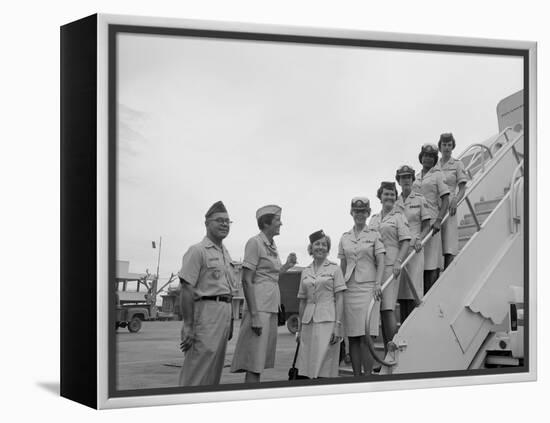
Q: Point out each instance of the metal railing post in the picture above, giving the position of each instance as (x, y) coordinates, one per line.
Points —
(411, 286)
(472, 210)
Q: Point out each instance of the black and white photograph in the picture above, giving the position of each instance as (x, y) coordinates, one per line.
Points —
(297, 211)
(291, 210)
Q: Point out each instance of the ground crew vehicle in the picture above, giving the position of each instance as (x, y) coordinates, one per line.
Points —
(136, 296)
(130, 317)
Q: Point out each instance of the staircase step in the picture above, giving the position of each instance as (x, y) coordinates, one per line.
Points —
(467, 230)
(501, 361)
(483, 206)
(379, 346)
(481, 216)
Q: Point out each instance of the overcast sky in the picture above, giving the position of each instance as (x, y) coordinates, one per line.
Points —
(306, 127)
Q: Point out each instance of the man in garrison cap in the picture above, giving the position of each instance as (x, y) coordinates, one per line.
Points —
(207, 286)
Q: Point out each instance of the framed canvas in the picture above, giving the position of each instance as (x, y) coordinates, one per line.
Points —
(254, 211)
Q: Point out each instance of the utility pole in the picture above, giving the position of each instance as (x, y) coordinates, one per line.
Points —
(158, 262)
(155, 282)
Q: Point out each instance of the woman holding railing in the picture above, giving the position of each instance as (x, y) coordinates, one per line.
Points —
(393, 227)
(455, 175)
(415, 208)
(361, 254)
(430, 183)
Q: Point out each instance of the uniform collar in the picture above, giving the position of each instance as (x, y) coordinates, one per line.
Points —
(434, 169)
(404, 200)
(365, 230)
(263, 237)
(390, 213)
(207, 243)
(326, 263)
(450, 162)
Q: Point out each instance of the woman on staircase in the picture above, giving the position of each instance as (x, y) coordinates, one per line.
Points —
(454, 176)
(413, 205)
(430, 183)
(393, 227)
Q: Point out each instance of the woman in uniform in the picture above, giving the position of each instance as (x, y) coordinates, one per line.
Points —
(430, 183)
(361, 254)
(257, 342)
(394, 230)
(321, 312)
(454, 176)
(413, 205)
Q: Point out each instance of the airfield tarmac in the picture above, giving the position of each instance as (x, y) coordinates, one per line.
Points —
(151, 357)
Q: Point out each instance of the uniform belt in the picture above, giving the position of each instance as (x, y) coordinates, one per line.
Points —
(226, 298)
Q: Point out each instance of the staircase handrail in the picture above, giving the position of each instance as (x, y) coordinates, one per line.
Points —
(483, 146)
(370, 344)
(513, 196)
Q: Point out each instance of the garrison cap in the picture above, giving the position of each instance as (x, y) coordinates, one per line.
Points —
(404, 170)
(217, 207)
(269, 209)
(429, 148)
(316, 236)
(360, 203)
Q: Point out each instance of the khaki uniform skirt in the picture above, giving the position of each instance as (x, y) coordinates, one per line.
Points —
(255, 353)
(433, 252)
(449, 235)
(356, 301)
(316, 357)
(414, 271)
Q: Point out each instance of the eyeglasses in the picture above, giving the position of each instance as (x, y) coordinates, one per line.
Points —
(222, 221)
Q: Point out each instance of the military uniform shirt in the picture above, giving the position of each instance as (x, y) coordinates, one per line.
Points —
(393, 228)
(454, 173)
(360, 254)
(432, 186)
(319, 289)
(262, 257)
(416, 210)
(208, 269)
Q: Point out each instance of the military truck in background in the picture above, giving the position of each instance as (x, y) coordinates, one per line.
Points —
(136, 297)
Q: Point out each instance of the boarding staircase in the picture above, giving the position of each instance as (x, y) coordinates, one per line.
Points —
(472, 316)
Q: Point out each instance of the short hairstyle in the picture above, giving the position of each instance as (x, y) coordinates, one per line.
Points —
(446, 138)
(386, 185)
(310, 246)
(266, 219)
